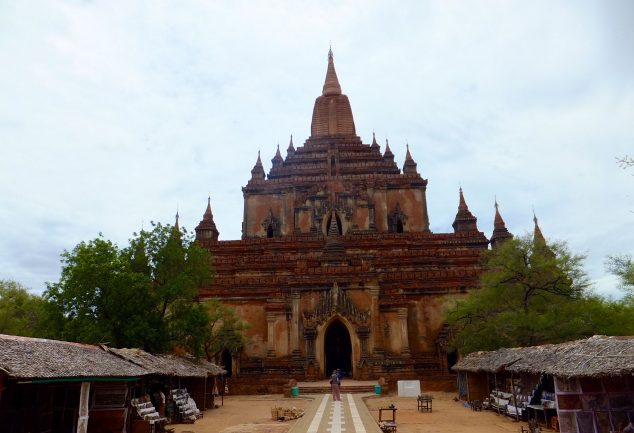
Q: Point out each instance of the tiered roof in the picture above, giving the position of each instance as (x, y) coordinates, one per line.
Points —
(333, 135)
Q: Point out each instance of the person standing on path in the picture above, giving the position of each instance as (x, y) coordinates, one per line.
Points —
(334, 385)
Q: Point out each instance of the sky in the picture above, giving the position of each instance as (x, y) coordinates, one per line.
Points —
(117, 113)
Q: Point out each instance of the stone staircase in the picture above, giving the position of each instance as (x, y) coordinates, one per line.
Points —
(348, 386)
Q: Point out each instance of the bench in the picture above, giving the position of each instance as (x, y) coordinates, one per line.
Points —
(424, 403)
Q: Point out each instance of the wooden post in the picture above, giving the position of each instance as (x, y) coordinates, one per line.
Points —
(517, 417)
(82, 421)
(466, 378)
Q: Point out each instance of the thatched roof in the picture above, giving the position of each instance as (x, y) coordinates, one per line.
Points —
(213, 369)
(36, 358)
(167, 365)
(593, 357)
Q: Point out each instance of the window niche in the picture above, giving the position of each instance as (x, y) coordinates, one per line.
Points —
(396, 220)
(271, 225)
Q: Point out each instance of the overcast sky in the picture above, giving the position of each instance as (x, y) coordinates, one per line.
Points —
(116, 113)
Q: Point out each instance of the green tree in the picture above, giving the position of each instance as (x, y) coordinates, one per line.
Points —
(101, 299)
(623, 267)
(144, 295)
(225, 330)
(530, 293)
(21, 313)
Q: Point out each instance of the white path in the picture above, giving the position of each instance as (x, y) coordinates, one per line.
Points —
(314, 425)
(354, 413)
(347, 416)
(336, 422)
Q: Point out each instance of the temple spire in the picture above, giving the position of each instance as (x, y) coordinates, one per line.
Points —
(540, 245)
(409, 167)
(462, 205)
(332, 114)
(538, 236)
(500, 232)
(176, 231)
(388, 152)
(257, 172)
(206, 228)
(331, 84)
(464, 221)
(277, 159)
(290, 151)
(374, 145)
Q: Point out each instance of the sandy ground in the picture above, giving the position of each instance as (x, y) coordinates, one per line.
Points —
(244, 414)
(447, 416)
(252, 414)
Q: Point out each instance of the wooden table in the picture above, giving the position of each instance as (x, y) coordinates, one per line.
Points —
(424, 403)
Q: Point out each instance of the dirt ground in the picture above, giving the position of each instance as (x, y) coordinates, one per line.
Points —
(244, 414)
(252, 414)
(447, 416)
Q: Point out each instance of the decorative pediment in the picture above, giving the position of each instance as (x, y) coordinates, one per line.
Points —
(336, 301)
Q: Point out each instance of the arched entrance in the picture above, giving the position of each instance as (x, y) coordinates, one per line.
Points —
(337, 349)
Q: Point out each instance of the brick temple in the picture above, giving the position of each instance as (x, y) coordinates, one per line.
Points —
(337, 267)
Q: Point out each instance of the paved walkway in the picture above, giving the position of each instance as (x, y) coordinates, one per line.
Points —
(350, 415)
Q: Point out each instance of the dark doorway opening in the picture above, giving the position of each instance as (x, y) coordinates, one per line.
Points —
(452, 358)
(338, 349)
(399, 226)
(226, 362)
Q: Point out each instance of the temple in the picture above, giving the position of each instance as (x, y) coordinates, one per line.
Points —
(337, 266)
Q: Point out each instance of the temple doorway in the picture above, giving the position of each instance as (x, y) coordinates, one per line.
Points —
(338, 349)
(227, 362)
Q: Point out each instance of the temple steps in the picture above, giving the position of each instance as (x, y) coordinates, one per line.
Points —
(347, 386)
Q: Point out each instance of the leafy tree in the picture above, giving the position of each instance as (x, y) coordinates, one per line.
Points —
(175, 264)
(225, 330)
(101, 299)
(530, 293)
(623, 267)
(21, 313)
(144, 295)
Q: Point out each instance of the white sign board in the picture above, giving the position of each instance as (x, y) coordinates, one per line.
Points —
(408, 388)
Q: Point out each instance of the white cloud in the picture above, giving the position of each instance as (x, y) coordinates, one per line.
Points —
(114, 114)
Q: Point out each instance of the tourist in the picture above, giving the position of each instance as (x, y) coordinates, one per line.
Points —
(335, 381)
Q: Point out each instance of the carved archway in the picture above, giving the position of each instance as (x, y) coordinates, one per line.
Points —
(334, 305)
